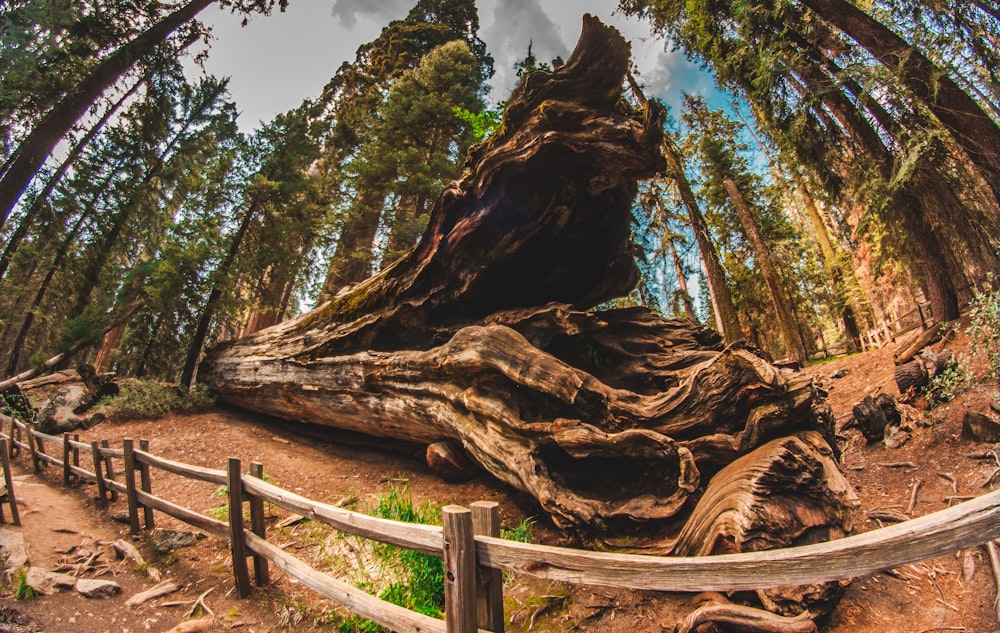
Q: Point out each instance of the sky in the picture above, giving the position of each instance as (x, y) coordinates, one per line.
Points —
(277, 61)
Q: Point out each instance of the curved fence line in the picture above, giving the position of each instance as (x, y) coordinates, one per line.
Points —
(469, 540)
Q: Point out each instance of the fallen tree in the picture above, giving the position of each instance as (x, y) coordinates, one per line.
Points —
(482, 337)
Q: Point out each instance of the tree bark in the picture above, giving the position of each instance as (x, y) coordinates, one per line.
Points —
(53, 127)
(22, 229)
(208, 312)
(479, 336)
(722, 301)
(794, 347)
(788, 492)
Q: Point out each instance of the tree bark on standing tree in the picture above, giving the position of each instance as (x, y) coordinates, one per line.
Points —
(779, 299)
(33, 151)
(722, 300)
(971, 128)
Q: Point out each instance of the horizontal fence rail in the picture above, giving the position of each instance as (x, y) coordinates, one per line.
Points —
(469, 542)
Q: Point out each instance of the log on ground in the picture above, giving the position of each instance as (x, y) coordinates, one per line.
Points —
(483, 335)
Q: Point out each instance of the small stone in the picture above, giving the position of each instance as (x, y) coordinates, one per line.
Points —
(166, 541)
(48, 582)
(94, 588)
(895, 437)
(980, 427)
(12, 549)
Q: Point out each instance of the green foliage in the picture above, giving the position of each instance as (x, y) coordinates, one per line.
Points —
(145, 399)
(984, 340)
(521, 533)
(483, 123)
(953, 381)
(407, 578)
(420, 586)
(357, 624)
(984, 328)
(22, 590)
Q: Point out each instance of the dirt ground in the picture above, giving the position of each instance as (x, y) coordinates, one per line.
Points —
(951, 593)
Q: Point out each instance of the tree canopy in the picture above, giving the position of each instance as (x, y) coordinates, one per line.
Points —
(853, 178)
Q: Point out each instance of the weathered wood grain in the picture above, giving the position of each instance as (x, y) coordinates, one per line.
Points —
(961, 526)
(426, 539)
(357, 601)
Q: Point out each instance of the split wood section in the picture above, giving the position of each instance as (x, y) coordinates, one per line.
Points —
(474, 555)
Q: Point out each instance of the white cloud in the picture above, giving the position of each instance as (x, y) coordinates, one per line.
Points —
(507, 31)
(383, 11)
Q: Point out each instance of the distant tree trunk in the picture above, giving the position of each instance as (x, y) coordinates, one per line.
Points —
(35, 149)
(274, 299)
(935, 272)
(969, 125)
(835, 269)
(352, 261)
(681, 281)
(108, 347)
(208, 312)
(29, 215)
(722, 300)
(762, 253)
(17, 349)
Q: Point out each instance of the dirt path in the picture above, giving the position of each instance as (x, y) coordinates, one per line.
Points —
(927, 597)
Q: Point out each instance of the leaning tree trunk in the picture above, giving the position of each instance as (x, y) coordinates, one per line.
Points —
(479, 337)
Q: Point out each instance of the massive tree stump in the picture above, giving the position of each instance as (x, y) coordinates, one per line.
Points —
(480, 337)
(787, 492)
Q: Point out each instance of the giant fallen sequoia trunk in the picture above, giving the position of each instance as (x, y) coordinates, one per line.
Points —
(480, 337)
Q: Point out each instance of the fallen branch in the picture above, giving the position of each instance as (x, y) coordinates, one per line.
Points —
(128, 552)
(162, 589)
(913, 495)
(950, 477)
(991, 549)
(748, 619)
(59, 358)
(887, 515)
(195, 604)
(201, 625)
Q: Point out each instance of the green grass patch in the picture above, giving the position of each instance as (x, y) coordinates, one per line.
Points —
(146, 399)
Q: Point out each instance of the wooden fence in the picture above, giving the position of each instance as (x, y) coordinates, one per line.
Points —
(469, 542)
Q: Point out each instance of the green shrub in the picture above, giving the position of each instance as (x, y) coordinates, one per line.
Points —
(145, 399)
(984, 329)
(953, 381)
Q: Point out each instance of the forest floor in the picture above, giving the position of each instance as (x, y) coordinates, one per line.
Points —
(950, 593)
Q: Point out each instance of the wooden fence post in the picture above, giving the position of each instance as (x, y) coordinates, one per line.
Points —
(133, 503)
(67, 473)
(110, 469)
(15, 437)
(237, 538)
(146, 485)
(29, 433)
(76, 450)
(95, 452)
(489, 591)
(9, 481)
(260, 570)
(459, 570)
